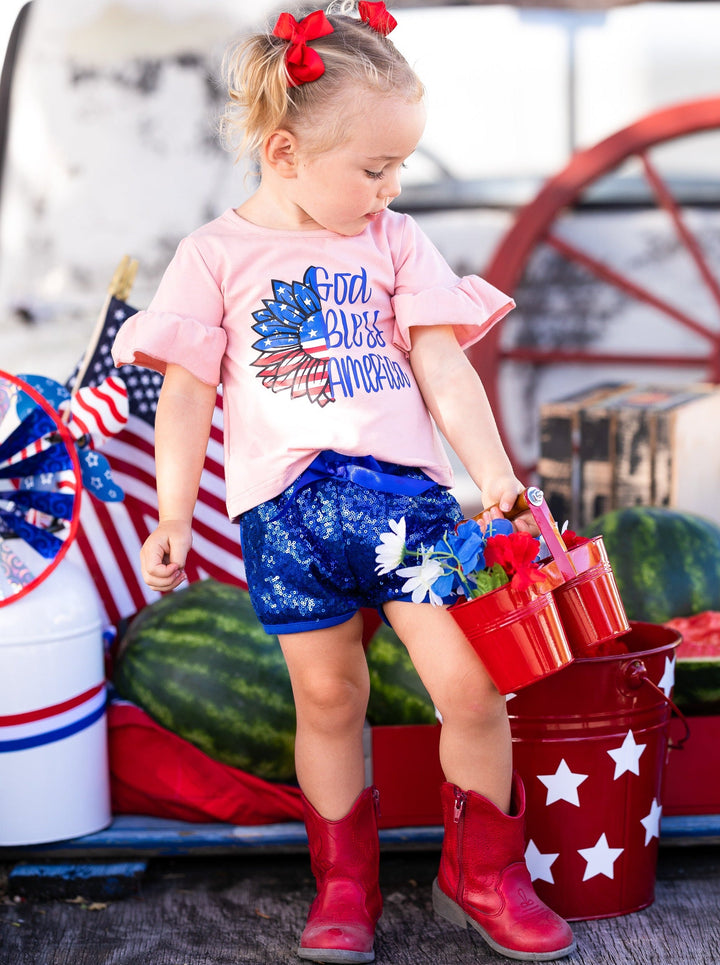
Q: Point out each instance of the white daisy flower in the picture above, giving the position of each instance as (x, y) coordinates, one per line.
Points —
(421, 579)
(391, 551)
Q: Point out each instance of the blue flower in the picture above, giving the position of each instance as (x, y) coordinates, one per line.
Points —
(443, 585)
(499, 527)
(468, 543)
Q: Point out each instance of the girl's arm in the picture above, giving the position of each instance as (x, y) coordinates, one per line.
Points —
(182, 427)
(456, 398)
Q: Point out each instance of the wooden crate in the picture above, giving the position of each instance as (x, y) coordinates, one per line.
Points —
(632, 446)
(560, 442)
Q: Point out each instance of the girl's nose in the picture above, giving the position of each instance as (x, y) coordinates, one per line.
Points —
(391, 187)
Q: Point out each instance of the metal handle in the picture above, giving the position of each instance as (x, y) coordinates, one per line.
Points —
(675, 710)
(635, 675)
(532, 496)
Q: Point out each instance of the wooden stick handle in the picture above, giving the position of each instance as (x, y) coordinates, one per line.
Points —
(119, 287)
(533, 499)
(532, 496)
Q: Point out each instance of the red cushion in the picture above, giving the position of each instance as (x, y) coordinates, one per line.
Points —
(155, 772)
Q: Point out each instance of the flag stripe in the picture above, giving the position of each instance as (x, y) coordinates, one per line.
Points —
(140, 484)
(111, 534)
(119, 549)
(94, 413)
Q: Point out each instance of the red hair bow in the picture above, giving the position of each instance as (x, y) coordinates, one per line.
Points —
(377, 16)
(303, 63)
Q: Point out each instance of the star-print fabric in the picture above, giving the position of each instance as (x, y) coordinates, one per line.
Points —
(590, 744)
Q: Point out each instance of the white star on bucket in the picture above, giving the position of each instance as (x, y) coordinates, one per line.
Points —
(651, 822)
(562, 785)
(600, 859)
(627, 756)
(538, 864)
(668, 678)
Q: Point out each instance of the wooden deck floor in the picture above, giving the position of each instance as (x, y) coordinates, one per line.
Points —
(250, 910)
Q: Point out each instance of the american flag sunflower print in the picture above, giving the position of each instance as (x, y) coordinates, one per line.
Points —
(292, 348)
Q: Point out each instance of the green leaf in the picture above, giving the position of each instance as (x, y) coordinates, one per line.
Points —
(488, 580)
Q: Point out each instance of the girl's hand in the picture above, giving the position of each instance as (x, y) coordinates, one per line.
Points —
(500, 496)
(163, 555)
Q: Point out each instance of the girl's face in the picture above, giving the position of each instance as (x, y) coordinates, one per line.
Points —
(346, 187)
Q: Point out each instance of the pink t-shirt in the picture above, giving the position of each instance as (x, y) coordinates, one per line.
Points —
(308, 331)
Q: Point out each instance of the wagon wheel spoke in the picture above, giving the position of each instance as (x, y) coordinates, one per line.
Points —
(667, 202)
(500, 364)
(536, 356)
(630, 287)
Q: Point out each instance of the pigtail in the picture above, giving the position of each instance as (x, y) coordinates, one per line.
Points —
(257, 91)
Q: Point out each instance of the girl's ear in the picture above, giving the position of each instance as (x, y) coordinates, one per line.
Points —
(281, 153)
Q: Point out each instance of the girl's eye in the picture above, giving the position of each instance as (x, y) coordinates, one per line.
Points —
(375, 175)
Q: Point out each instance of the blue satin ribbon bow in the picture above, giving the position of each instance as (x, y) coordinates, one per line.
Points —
(364, 471)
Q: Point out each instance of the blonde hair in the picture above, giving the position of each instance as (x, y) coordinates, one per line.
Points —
(261, 100)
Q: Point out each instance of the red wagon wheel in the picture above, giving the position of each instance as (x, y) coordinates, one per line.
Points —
(541, 236)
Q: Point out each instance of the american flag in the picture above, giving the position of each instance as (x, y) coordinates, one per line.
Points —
(111, 534)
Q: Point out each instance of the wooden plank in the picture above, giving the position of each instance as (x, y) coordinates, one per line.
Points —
(558, 466)
(252, 910)
(93, 880)
(687, 458)
(136, 835)
(650, 425)
(597, 463)
(130, 835)
(642, 445)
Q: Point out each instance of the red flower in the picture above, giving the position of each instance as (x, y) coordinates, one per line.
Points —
(571, 539)
(516, 554)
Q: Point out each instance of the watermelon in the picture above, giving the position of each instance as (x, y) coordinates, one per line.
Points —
(666, 562)
(697, 671)
(200, 664)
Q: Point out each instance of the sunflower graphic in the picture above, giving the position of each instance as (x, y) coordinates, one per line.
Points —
(293, 341)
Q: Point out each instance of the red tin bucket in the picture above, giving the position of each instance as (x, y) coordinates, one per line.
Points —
(590, 744)
(517, 634)
(587, 597)
(589, 603)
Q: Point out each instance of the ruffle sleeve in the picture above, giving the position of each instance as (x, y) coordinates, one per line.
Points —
(155, 340)
(428, 292)
(183, 323)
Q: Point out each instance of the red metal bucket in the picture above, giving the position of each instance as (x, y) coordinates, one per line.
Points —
(590, 744)
(589, 603)
(586, 593)
(517, 634)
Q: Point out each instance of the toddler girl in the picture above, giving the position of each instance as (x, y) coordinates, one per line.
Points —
(337, 332)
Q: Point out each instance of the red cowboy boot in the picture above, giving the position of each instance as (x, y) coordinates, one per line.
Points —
(345, 859)
(484, 882)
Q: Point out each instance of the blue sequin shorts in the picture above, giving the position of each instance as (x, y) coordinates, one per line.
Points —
(310, 552)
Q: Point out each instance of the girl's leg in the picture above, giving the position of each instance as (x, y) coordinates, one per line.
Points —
(331, 685)
(475, 744)
(483, 880)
